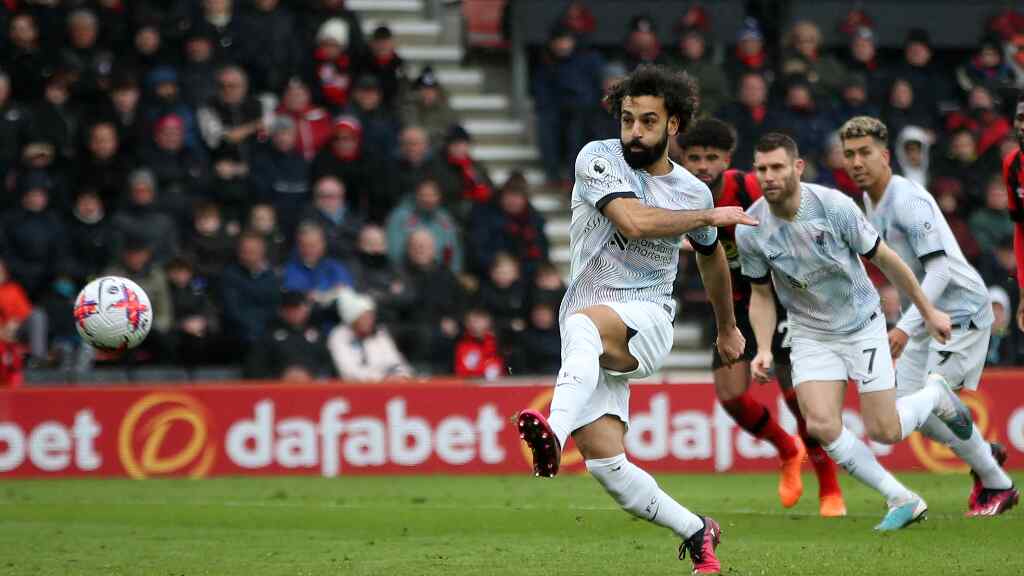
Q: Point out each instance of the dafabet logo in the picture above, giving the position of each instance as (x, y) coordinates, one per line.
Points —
(166, 433)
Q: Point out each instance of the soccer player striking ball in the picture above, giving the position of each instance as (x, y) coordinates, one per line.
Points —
(706, 151)
(809, 245)
(908, 218)
(1013, 175)
(630, 206)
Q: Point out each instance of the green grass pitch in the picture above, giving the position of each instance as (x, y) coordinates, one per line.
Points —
(449, 526)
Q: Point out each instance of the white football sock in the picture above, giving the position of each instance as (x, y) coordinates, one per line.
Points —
(578, 375)
(975, 451)
(857, 459)
(638, 493)
(914, 409)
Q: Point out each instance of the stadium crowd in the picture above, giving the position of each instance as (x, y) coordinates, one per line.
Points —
(297, 200)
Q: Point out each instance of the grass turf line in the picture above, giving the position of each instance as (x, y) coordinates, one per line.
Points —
(443, 525)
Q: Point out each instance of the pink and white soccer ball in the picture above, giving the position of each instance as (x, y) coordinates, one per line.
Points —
(113, 313)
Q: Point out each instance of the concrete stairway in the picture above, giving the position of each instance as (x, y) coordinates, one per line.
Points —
(503, 141)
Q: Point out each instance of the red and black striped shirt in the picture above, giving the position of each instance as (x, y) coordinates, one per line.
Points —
(738, 189)
(1013, 176)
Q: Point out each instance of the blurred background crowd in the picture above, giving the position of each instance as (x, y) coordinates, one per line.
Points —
(300, 203)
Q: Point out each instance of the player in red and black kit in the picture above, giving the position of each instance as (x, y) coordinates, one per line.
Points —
(706, 150)
(1013, 175)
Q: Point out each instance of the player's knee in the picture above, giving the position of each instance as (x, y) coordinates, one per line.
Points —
(883, 431)
(823, 427)
(581, 334)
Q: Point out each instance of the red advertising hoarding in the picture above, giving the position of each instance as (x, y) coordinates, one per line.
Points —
(333, 430)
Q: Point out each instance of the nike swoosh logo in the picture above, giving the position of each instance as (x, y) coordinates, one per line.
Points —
(617, 468)
(866, 382)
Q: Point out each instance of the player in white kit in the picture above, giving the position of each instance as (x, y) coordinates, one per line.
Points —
(808, 245)
(630, 207)
(907, 216)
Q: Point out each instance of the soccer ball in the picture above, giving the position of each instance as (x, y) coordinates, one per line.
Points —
(113, 313)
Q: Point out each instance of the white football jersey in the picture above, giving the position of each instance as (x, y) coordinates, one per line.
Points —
(608, 267)
(911, 223)
(814, 260)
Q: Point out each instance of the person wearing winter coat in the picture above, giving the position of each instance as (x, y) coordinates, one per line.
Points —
(362, 350)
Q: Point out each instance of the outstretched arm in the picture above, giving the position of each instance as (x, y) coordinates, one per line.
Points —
(634, 219)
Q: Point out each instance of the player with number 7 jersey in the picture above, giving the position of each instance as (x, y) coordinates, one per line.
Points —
(809, 245)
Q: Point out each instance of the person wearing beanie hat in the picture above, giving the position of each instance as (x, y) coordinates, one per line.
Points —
(33, 235)
(384, 64)
(289, 342)
(750, 54)
(427, 106)
(931, 83)
(142, 216)
(361, 350)
(380, 125)
(987, 67)
(691, 53)
(345, 158)
(464, 181)
(335, 63)
(163, 99)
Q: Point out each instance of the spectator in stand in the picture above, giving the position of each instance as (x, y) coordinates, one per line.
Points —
(209, 243)
(335, 64)
(987, 67)
(982, 118)
(854, 100)
(149, 49)
(19, 320)
(478, 351)
(324, 10)
(218, 17)
(424, 211)
(144, 219)
(270, 46)
(196, 334)
(642, 44)
(90, 237)
(40, 157)
(199, 71)
(346, 160)
(56, 118)
(832, 172)
(693, 56)
(427, 106)
(805, 57)
(290, 341)
(250, 292)
(281, 174)
(164, 99)
(66, 352)
(547, 284)
(412, 165)
(539, 346)
(913, 154)
(429, 327)
(579, 19)
(931, 85)
(952, 210)
(83, 56)
(463, 181)
(122, 109)
(32, 236)
(901, 111)
(26, 61)
(263, 221)
(751, 117)
(386, 66)
(604, 125)
(998, 350)
(311, 271)
(862, 62)
(991, 224)
(181, 173)
(136, 263)
(314, 125)
(750, 57)
(566, 89)
(380, 126)
(13, 123)
(330, 212)
(511, 225)
(802, 120)
(961, 172)
(15, 308)
(102, 165)
(377, 277)
(504, 295)
(362, 350)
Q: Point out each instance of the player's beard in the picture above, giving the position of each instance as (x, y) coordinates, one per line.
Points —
(647, 155)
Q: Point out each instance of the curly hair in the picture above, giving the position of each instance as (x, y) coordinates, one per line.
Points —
(709, 133)
(861, 126)
(677, 88)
